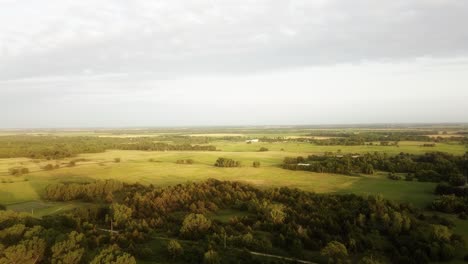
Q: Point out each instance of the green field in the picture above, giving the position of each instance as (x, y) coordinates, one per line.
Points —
(162, 171)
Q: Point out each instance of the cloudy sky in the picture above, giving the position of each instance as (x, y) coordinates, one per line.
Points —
(116, 63)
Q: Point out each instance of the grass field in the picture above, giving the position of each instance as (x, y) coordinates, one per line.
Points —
(162, 171)
(413, 147)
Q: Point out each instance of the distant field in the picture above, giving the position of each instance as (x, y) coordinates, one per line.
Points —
(413, 147)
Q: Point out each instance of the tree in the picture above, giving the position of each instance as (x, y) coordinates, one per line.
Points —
(113, 255)
(27, 252)
(276, 213)
(256, 164)
(195, 226)
(69, 251)
(211, 257)
(336, 252)
(174, 249)
(49, 167)
(457, 180)
(441, 233)
(120, 214)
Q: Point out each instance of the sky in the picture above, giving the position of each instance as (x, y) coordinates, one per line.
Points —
(139, 63)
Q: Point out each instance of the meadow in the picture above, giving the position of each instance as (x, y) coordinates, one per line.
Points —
(160, 169)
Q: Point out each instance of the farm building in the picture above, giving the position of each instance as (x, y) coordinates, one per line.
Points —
(252, 141)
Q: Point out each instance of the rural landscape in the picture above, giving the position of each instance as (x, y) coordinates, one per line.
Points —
(370, 194)
(233, 132)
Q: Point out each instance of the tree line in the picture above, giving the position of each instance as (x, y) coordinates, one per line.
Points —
(433, 166)
(54, 147)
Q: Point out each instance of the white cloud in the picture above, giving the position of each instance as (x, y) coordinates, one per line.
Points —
(89, 57)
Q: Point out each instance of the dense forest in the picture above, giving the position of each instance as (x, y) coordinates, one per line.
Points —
(123, 218)
(433, 166)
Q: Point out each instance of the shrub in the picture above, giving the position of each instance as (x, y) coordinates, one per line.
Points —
(17, 171)
(256, 164)
(48, 167)
(409, 177)
(224, 162)
(393, 176)
(117, 160)
(263, 149)
(457, 180)
(174, 249)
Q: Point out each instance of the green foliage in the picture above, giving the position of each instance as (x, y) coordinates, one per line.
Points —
(26, 252)
(69, 251)
(98, 190)
(256, 164)
(225, 162)
(54, 147)
(195, 226)
(336, 252)
(211, 257)
(121, 214)
(113, 255)
(457, 180)
(263, 149)
(393, 176)
(49, 167)
(450, 204)
(433, 167)
(18, 171)
(174, 249)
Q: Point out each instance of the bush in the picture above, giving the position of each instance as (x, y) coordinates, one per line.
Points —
(117, 160)
(393, 176)
(263, 149)
(409, 177)
(256, 164)
(457, 180)
(224, 162)
(428, 175)
(17, 171)
(48, 167)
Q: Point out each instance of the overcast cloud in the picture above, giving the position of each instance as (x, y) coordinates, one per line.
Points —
(244, 62)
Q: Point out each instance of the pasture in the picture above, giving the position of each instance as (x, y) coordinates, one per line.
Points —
(160, 169)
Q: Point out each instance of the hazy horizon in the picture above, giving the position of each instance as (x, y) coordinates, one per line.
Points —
(115, 64)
